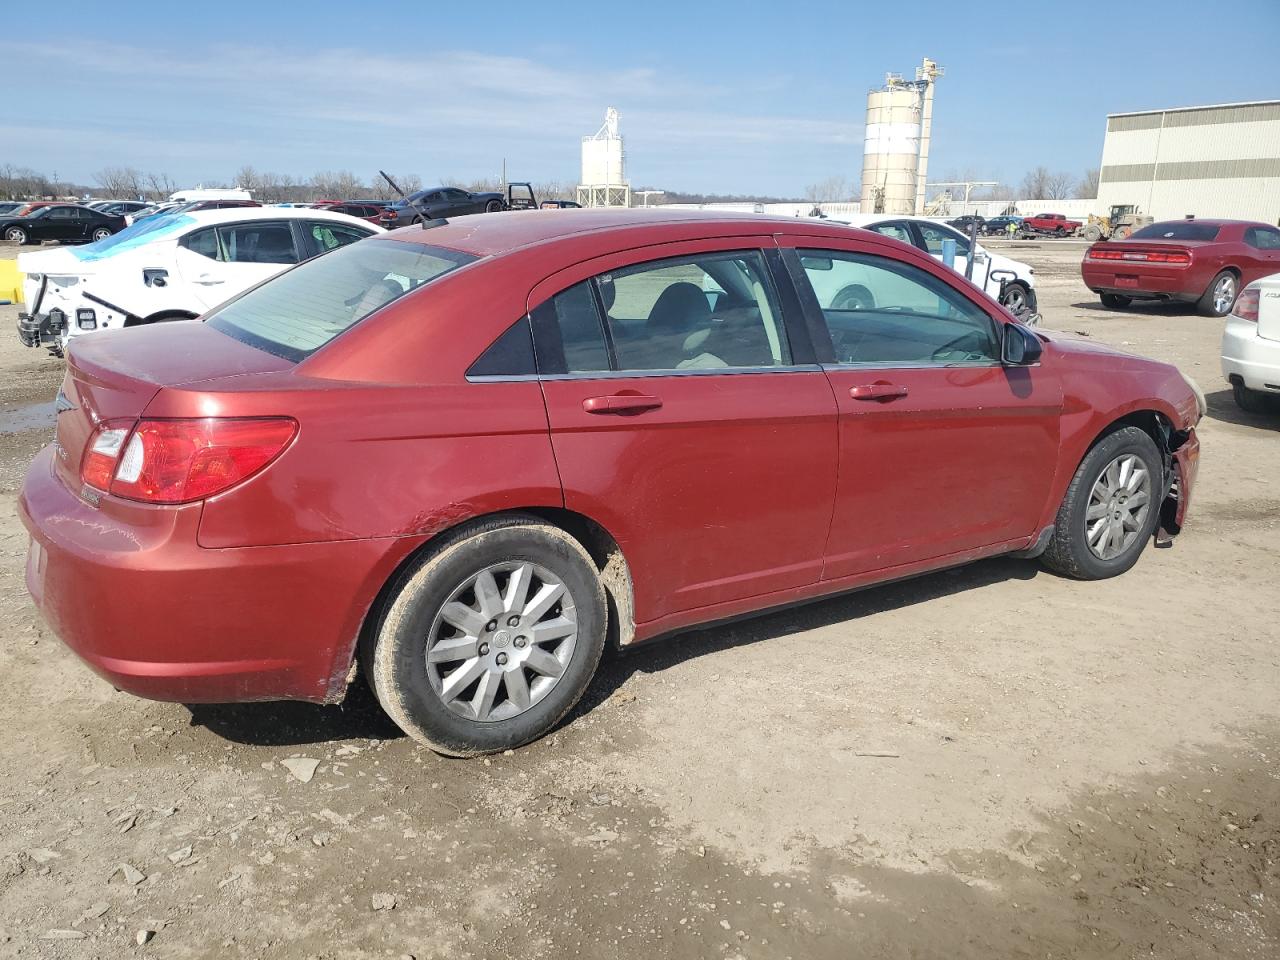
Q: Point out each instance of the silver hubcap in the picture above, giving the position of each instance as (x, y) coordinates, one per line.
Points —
(101, 234)
(14, 234)
(1118, 506)
(1015, 302)
(501, 641)
(1224, 294)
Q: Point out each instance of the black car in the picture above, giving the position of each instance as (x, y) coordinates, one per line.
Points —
(440, 202)
(68, 222)
(963, 222)
(999, 226)
(119, 207)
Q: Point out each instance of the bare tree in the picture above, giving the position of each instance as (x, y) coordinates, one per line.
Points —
(124, 183)
(1059, 186)
(834, 189)
(339, 185)
(1035, 185)
(1087, 188)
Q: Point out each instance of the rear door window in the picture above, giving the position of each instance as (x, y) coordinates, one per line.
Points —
(897, 230)
(933, 236)
(258, 242)
(304, 308)
(329, 236)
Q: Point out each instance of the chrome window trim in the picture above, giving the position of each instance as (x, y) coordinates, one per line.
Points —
(880, 365)
(636, 374)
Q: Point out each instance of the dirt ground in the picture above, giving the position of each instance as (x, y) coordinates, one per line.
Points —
(990, 762)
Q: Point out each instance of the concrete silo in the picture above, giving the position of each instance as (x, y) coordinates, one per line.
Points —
(895, 159)
(604, 182)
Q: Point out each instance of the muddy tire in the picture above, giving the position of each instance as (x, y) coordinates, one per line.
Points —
(1092, 233)
(1102, 527)
(452, 662)
(1114, 301)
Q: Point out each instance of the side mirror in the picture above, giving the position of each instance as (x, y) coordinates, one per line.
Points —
(1021, 347)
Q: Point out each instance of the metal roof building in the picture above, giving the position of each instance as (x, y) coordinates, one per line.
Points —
(1215, 161)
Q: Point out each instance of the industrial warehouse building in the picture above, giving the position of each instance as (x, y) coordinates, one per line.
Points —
(1217, 161)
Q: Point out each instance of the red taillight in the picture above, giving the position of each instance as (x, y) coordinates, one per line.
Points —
(178, 461)
(1246, 307)
(1140, 256)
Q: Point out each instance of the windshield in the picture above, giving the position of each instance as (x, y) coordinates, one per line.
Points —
(304, 308)
(1176, 230)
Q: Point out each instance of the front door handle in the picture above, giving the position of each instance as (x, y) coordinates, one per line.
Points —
(209, 280)
(621, 403)
(878, 391)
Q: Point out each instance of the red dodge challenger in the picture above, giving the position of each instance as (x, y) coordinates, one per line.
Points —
(1205, 262)
(467, 457)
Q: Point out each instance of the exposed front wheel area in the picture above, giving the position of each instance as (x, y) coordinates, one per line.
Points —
(1110, 509)
(1016, 300)
(490, 639)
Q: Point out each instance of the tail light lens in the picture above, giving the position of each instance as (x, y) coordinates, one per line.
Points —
(1140, 256)
(179, 461)
(1246, 307)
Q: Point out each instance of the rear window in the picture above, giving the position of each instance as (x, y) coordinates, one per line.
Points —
(1176, 230)
(301, 310)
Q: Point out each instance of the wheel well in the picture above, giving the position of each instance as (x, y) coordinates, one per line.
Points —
(615, 574)
(1151, 422)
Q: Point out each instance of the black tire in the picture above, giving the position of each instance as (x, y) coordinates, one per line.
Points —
(17, 235)
(493, 206)
(1115, 301)
(1068, 552)
(1250, 401)
(1017, 299)
(101, 233)
(394, 653)
(1210, 304)
(853, 296)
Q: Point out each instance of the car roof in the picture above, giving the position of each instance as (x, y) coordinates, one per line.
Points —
(491, 234)
(241, 214)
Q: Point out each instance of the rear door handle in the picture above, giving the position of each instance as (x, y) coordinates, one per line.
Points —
(878, 391)
(621, 403)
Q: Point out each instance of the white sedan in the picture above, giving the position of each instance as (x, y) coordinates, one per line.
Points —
(1009, 281)
(169, 267)
(1251, 346)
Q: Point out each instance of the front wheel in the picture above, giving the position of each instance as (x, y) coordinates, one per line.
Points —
(16, 235)
(1220, 297)
(1016, 299)
(101, 234)
(490, 638)
(1092, 233)
(1115, 301)
(1111, 508)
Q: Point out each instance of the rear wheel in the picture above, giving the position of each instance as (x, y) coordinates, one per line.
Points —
(1220, 297)
(1111, 508)
(1250, 401)
(1092, 233)
(493, 206)
(16, 235)
(101, 234)
(1115, 301)
(490, 638)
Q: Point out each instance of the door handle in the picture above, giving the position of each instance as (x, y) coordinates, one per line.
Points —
(208, 280)
(621, 403)
(878, 391)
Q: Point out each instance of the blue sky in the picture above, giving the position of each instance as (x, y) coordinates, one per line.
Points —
(724, 97)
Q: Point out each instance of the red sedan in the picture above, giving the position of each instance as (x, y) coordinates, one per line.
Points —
(467, 457)
(1205, 262)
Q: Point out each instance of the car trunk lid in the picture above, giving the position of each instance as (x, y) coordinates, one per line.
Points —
(1269, 311)
(114, 375)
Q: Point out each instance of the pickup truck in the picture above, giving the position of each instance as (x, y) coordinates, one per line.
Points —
(1054, 223)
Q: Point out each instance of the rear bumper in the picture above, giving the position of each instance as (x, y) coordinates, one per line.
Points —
(1253, 359)
(128, 589)
(1143, 284)
(42, 329)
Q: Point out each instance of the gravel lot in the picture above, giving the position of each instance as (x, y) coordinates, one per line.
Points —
(988, 762)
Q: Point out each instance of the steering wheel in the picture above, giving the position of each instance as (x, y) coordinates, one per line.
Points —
(854, 296)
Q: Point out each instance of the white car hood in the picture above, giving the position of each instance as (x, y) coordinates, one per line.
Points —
(89, 258)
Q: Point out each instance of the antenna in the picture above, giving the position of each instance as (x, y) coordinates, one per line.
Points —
(427, 221)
